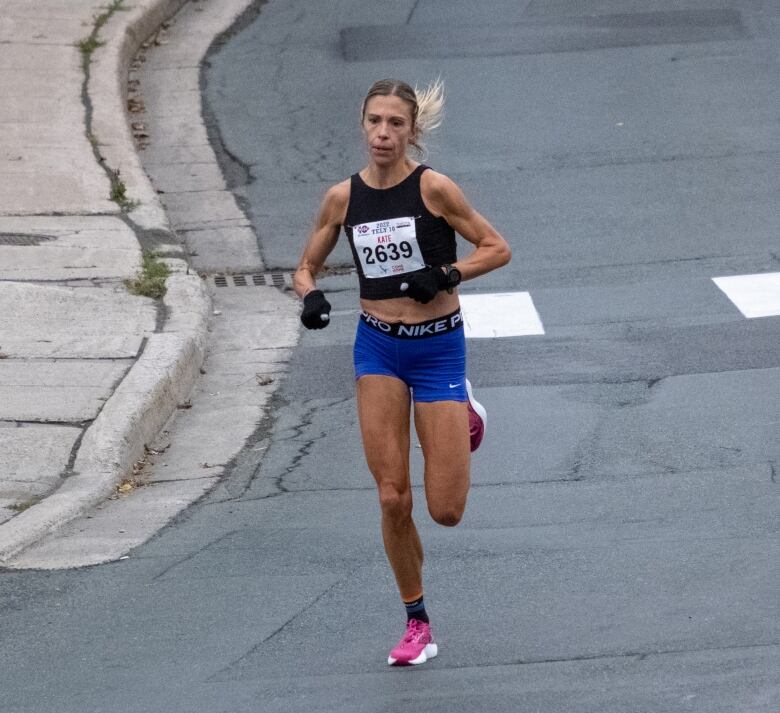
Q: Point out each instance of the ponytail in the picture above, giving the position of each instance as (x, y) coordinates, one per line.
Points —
(430, 112)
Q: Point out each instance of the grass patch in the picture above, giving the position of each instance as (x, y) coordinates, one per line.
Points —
(119, 192)
(151, 281)
(24, 505)
(89, 44)
(111, 8)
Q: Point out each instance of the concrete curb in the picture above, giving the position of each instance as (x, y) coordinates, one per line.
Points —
(160, 380)
(123, 35)
(170, 364)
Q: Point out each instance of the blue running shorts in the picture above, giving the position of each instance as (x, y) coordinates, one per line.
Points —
(429, 357)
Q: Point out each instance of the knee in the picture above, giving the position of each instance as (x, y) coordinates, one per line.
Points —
(447, 515)
(396, 503)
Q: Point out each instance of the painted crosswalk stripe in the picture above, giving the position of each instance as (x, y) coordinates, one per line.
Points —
(753, 295)
(500, 314)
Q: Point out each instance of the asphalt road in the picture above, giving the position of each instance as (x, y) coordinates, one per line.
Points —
(620, 549)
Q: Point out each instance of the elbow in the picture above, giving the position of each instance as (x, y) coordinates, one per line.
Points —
(504, 255)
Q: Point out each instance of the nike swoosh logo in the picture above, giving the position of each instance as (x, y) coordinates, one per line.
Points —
(454, 386)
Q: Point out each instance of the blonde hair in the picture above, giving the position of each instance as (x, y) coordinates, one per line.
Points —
(427, 106)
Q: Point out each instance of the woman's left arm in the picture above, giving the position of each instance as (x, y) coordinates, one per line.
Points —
(443, 197)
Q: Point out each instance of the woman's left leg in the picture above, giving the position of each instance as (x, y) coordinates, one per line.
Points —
(443, 430)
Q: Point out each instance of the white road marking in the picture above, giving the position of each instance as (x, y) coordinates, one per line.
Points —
(500, 314)
(753, 295)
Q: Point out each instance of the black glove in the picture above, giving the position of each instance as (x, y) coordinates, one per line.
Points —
(425, 284)
(316, 310)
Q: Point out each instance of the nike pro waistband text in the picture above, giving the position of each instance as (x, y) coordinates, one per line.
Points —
(430, 328)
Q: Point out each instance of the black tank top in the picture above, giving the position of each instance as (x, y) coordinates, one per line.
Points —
(392, 234)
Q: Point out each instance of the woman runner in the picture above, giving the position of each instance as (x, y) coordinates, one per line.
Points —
(400, 218)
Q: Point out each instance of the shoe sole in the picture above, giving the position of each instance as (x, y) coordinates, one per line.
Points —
(479, 409)
(429, 652)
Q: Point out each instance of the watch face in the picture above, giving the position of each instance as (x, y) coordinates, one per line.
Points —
(453, 276)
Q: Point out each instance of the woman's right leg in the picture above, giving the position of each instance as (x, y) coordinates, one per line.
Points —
(384, 412)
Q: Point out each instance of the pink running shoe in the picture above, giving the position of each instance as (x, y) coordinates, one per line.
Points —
(415, 647)
(477, 419)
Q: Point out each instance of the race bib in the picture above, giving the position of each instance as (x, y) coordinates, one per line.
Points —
(388, 247)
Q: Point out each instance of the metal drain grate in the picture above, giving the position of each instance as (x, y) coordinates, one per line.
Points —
(24, 239)
(281, 280)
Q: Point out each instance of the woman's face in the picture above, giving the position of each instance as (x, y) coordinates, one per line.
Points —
(388, 128)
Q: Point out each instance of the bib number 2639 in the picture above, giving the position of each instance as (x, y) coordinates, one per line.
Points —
(391, 251)
(388, 247)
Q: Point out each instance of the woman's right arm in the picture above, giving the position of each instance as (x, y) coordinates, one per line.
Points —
(322, 239)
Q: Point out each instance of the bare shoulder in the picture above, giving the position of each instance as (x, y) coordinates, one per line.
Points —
(440, 193)
(333, 208)
(437, 184)
(335, 202)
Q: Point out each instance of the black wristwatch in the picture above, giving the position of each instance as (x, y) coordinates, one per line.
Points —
(453, 277)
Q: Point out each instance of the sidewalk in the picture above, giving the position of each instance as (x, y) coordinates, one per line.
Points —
(89, 372)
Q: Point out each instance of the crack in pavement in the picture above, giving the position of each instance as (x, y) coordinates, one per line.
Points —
(415, 487)
(411, 12)
(74, 282)
(193, 554)
(638, 655)
(21, 423)
(68, 358)
(269, 423)
(259, 644)
(167, 481)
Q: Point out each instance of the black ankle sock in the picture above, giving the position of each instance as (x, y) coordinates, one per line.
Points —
(416, 610)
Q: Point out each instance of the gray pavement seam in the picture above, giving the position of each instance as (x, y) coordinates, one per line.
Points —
(87, 47)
